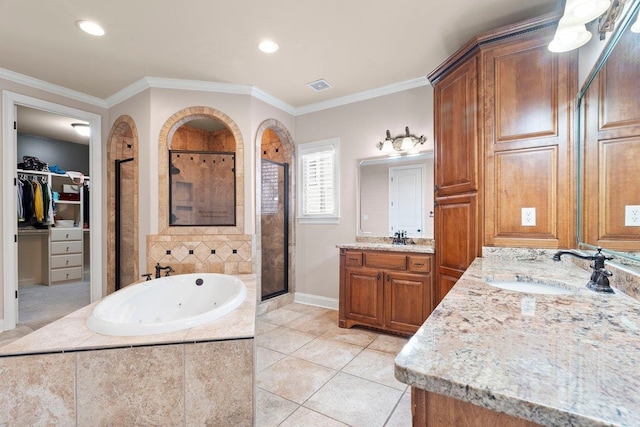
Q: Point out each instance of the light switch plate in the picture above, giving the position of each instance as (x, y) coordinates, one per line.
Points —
(528, 217)
(632, 216)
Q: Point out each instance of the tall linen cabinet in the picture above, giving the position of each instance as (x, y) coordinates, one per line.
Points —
(504, 118)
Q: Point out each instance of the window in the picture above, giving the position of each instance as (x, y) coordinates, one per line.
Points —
(318, 178)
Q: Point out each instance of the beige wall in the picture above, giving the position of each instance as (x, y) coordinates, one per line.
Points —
(359, 126)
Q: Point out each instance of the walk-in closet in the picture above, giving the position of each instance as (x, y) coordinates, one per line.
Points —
(53, 191)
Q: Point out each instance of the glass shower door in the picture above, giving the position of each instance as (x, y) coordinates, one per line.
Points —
(275, 236)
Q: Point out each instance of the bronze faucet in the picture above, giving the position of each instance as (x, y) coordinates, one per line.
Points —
(599, 281)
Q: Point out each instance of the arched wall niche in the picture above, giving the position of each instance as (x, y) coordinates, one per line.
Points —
(123, 144)
(267, 151)
(199, 249)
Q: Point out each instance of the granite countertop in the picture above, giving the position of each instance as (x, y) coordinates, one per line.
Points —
(551, 359)
(424, 249)
(71, 333)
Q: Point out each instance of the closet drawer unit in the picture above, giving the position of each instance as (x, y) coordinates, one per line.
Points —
(62, 261)
(420, 264)
(62, 248)
(63, 234)
(62, 274)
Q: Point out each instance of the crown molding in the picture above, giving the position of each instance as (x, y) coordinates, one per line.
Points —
(363, 96)
(51, 88)
(204, 86)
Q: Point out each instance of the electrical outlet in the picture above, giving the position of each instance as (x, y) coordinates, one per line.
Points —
(632, 216)
(528, 217)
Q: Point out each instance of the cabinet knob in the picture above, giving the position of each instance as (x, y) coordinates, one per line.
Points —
(67, 262)
(67, 248)
(67, 236)
(419, 264)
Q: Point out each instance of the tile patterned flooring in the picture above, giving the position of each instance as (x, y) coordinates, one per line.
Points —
(312, 373)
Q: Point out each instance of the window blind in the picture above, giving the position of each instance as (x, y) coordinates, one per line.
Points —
(318, 183)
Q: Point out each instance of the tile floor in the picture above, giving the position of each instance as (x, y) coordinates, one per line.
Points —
(312, 373)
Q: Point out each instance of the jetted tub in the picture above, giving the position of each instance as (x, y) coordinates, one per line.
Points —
(167, 304)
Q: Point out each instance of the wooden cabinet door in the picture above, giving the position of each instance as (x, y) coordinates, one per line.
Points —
(408, 300)
(528, 144)
(364, 296)
(457, 240)
(456, 131)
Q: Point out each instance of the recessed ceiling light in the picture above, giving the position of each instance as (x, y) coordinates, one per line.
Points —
(91, 28)
(268, 46)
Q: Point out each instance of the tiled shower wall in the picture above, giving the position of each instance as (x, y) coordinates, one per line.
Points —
(204, 249)
(228, 254)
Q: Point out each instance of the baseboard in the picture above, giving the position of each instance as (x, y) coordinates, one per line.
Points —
(316, 300)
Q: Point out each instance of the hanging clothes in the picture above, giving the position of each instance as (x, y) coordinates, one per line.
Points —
(38, 205)
(27, 201)
(20, 190)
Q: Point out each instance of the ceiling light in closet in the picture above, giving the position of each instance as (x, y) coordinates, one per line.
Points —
(91, 28)
(268, 46)
(82, 129)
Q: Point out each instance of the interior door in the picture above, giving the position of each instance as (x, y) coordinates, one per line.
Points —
(406, 199)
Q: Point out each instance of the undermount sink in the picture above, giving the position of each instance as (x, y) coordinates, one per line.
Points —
(529, 287)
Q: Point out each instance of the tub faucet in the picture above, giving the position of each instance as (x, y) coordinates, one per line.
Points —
(167, 269)
(599, 281)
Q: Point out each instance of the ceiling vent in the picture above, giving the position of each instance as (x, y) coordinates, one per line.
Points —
(319, 85)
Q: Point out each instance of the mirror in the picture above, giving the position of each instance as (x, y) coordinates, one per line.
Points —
(202, 190)
(609, 156)
(395, 193)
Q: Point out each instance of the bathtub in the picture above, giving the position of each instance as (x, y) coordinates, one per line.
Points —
(167, 304)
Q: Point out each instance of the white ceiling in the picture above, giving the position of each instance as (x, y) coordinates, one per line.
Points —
(356, 45)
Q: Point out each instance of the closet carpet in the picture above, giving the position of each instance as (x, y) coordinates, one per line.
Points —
(39, 305)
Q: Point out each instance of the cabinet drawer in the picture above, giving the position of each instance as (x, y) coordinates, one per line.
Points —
(62, 274)
(60, 248)
(385, 260)
(60, 261)
(420, 264)
(62, 234)
(353, 259)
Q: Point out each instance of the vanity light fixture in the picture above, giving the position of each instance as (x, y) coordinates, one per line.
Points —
(82, 129)
(90, 27)
(405, 142)
(572, 32)
(578, 12)
(569, 37)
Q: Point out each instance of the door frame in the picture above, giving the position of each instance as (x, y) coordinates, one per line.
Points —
(10, 101)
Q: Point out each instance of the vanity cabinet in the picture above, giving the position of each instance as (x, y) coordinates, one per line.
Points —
(390, 291)
(503, 141)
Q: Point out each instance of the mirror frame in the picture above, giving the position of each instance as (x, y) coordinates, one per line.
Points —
(624, 23)
(424, 155)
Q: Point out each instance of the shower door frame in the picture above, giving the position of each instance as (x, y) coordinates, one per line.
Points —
(286, 231)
